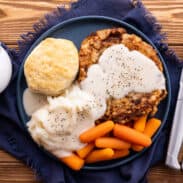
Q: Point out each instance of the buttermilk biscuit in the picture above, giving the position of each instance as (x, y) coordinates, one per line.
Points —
(52, 66)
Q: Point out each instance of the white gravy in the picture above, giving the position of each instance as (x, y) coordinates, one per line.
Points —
(120, 71)
(33, 101)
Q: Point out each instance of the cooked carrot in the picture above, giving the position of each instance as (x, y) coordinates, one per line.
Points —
(152, 126)
(83, 152)
(137, 147)
(130, 135)
(96, 132)
(111, 142)
(140, 123)
(73, 161)
(120, 153)
(99, 155)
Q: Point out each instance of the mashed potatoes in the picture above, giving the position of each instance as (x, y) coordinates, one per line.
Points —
(52, 66)
(57, 125)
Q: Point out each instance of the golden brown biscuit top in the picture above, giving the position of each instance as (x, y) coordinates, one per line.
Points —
(52, 66)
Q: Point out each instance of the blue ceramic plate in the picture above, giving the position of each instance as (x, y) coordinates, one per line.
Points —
(77, 29)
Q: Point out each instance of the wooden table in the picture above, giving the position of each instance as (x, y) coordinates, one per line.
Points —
(17, 16)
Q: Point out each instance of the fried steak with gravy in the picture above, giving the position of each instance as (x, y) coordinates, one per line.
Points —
(134, 104)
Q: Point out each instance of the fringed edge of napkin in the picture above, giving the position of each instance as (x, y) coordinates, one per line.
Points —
(48, 21)
(29, 162)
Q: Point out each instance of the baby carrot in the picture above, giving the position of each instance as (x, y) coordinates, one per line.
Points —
(137, 147)
(140, 123)
(131, 135)
(83, 152)
(152, 126)
(96, 132)
(73, 161)
(99, 155)
(111, 142)
(120, 153)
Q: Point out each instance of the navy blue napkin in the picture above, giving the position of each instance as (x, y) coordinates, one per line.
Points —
(13, 138)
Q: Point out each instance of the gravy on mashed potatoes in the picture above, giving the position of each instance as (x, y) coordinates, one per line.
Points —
(57, 126)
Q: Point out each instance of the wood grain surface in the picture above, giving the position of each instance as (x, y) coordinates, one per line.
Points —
(17, 16)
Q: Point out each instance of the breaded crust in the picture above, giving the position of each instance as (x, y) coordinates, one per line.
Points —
(134, 104)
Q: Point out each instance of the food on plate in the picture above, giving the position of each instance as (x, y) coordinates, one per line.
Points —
(111, 142)
(58, 125)
(130, 135)
(73, 161)
(120, 153)
(83, 152)
(106, 154)
(100, 155)
(140, 123)
(117, 50)
(33, 101)
(102, 114)
(137, 148)
(52, 66)
(96, 132)
(151, 127)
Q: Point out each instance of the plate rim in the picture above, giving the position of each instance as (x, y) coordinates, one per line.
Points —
(129, 27)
